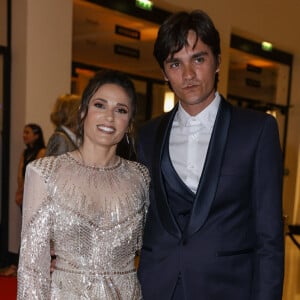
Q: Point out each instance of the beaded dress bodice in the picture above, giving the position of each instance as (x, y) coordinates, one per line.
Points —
(94, 218)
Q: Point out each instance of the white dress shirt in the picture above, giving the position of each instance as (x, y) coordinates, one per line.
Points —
(189, 139)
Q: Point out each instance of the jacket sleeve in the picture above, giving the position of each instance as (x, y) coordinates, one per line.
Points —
(34, 262)
(267, 210)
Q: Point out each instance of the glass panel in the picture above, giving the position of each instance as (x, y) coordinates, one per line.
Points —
(257, 78)
(160, 92)
(260, 84)
(110, 39)
(1, 128)
(141, 91)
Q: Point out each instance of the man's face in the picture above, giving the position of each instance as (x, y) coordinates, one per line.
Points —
(191, 73)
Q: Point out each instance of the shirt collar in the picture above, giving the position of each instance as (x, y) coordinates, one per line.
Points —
(206, 117)
(70, 133)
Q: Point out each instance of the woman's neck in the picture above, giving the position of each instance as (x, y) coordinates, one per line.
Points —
(97, 157)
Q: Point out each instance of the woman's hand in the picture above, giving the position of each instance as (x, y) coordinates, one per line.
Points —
(19, 198)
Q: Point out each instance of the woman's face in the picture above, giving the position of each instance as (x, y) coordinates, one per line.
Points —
(29, 136)
(108, 116)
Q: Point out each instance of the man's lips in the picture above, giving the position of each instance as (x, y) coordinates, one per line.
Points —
(189, 86)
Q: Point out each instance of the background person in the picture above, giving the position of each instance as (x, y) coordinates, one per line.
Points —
(35, 148)
(90, 203)
(64, 116)
(214, 228)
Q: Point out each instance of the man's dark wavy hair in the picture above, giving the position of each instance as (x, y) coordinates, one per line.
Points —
(173, 33)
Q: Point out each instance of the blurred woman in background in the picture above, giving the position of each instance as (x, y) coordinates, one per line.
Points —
(35, 148)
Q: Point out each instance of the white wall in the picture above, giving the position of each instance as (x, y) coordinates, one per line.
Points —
(3, 22)
(41, 71)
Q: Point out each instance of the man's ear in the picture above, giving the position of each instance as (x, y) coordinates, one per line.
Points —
(164, 75)
(218, 63)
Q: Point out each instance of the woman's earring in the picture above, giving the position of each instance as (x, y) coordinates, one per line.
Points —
(127, 138)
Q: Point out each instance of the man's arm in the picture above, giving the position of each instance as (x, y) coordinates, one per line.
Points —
(267, 209)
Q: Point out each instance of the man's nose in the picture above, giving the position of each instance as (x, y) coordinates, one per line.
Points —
(188, 72)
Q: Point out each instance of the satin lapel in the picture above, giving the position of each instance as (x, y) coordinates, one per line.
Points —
(211, 171)
(162, 138)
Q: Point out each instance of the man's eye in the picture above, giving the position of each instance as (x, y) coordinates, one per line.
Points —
(174, 65)
(199, 59)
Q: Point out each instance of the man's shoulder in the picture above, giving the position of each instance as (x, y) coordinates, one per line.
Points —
(249, 113)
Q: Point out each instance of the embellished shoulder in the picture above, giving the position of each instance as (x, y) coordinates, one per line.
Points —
(140, 168)
(45, 165)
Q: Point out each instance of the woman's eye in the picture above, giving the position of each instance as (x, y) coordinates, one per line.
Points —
(99, 105)
(122, 110)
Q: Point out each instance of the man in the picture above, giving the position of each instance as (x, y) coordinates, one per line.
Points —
(214, 226)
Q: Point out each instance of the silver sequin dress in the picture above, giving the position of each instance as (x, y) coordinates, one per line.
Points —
(94, 217)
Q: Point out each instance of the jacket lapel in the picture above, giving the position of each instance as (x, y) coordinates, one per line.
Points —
(211, 170)
(162, 138)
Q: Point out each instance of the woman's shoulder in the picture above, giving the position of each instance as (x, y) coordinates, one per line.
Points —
(45, 165)
(139, 168)
(42, 162)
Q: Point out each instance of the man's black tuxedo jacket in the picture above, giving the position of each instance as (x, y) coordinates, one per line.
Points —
(232, 247)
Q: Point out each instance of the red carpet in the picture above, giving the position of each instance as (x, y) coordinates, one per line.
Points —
(8, 288)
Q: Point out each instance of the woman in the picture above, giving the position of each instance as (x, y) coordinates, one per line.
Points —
(90, 203)
(64, 117)
(35, 148)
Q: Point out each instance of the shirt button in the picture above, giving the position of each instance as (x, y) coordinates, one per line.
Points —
(190, 166)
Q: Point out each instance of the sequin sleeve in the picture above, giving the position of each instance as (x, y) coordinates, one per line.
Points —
(146, 183)
(147, 180)
(34, 263)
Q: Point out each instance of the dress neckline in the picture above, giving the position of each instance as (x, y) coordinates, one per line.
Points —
(104, 168)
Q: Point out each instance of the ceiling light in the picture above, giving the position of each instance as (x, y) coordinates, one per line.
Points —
(266, 46)
(144, 4)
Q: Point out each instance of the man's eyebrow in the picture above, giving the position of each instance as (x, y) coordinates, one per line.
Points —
(201, 53)
(171, 60)
(175, 59)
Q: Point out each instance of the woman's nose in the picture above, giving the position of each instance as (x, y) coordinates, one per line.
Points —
(110, 115)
